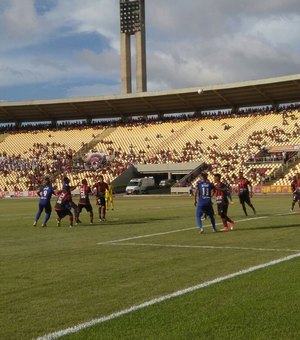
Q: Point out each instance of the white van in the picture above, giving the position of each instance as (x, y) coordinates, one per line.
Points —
(139, 185)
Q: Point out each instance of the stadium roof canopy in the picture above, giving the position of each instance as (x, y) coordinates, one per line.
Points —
(270, 91)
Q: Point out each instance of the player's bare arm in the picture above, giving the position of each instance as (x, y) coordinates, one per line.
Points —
(196, 196)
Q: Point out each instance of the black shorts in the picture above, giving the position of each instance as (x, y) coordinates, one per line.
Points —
(87, 207)
(222, 209)
(47, 207)
(101, 201)
(73, 205)
(63, 213)
(296, 196)
(244, 197)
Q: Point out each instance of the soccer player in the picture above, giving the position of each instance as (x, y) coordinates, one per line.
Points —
(66, 186)
(245, 193)
(45, 193)
(84, 200)
(221, 193)
(296, 191)
(99, 189)
(109, 196)
(63, 206)
(203, 202)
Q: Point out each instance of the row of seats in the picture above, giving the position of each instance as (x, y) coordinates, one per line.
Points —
(226, 143)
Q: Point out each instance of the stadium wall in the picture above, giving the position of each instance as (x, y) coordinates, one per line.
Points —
(259, 189)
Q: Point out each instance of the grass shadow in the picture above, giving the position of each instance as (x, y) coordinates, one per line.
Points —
(130, 221)
(279, 226)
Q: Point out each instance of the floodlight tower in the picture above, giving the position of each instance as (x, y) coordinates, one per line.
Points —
(132, 22)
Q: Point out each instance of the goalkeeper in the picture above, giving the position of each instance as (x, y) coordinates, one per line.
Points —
(109, 196)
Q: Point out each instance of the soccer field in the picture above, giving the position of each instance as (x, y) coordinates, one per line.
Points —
(242, 284)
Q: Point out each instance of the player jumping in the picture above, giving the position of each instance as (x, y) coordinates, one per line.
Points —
(66, 186)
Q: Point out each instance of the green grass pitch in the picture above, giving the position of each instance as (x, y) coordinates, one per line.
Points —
(54, 278)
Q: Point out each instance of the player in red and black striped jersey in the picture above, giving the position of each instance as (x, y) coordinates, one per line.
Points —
(244, 192)
(295, 185)
(99, 189)
(221, 194)
(63, 206)
(66, 186)
(84, 200)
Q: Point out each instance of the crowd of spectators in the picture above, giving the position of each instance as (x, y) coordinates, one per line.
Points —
(55, 158)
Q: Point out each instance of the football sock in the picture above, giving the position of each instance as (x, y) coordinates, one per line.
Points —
(47, 218)
(199, 221)
(213, 221)
(38, 215)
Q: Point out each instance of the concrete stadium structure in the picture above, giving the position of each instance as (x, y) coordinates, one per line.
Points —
(271, 91)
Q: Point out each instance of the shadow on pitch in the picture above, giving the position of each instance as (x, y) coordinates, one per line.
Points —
(134, 221)
(279, 226)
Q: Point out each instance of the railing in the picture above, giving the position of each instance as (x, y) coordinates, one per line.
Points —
(89, 146)
(231, 139)
(167, 141)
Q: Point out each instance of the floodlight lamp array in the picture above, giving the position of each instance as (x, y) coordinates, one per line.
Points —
(130, 17)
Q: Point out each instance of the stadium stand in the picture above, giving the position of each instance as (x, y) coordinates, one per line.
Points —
(227, 142)
(26, 156)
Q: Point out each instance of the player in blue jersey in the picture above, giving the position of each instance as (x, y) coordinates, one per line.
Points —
(203, 202)
(45, 193)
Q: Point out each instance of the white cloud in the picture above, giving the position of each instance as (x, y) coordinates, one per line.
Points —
(94, 90)
(20, 18)
(101, 16)
(30, 70)
(106, 62)
(20, 25)
(222, 41)
(189, 43)
(278, 30)
(21, 71)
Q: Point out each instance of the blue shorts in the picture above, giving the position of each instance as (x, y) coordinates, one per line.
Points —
(205, 209)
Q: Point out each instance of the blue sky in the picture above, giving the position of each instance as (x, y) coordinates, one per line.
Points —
(68, 48)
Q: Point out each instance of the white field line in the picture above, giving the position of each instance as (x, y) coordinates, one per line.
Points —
(174, 231)
(15, 215)
(186, 229)
(204, 247)
(289, 213)
(157, 300)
